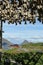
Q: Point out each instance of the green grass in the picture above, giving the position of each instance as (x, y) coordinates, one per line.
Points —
(31, 47)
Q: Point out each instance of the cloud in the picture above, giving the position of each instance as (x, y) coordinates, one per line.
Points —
(23, 35)
(29, 32)
(38, 37)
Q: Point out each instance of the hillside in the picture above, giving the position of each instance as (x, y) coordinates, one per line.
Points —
(25, 42)
(32, 46)
(6, 43)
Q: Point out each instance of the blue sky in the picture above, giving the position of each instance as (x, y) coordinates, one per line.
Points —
(19, 33)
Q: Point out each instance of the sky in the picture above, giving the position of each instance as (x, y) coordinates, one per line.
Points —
(19, 33)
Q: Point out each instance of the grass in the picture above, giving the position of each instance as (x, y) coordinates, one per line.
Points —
(31, 48)
(26, 48)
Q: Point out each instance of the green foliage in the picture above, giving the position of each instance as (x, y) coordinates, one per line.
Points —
(26, 58)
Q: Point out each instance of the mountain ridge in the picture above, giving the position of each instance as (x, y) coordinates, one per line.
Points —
(25, 42)
(6, 41)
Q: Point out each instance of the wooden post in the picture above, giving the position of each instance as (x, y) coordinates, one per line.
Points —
(0, 39)
(0, 35)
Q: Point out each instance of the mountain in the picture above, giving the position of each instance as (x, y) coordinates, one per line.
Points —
(6, 43)
(25, 42)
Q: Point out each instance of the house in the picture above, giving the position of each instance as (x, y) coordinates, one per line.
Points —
(14, 46)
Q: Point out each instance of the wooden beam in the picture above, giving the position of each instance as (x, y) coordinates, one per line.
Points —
(1, 35)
